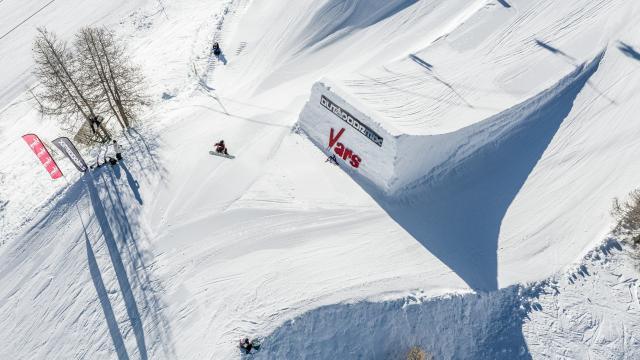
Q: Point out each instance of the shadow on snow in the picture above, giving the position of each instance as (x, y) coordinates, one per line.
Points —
(628, 50)
(472, 326)
(457, 216)
(338, 18)
(136, 286)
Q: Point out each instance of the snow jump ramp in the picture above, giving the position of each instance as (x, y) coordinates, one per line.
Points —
(450, 191)
(397, 161)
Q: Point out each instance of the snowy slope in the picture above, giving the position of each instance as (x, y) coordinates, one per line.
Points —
(175, 254)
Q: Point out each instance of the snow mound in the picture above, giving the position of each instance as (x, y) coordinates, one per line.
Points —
(452, 327)
(512, 323)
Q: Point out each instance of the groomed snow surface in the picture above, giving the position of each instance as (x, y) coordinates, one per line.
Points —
(469, 216)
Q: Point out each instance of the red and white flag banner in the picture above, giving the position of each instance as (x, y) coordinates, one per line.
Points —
(43, 154)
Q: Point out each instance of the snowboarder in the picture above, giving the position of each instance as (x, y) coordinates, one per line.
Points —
(221, 148)
(117, 150)
(216, 49)
(332, 159)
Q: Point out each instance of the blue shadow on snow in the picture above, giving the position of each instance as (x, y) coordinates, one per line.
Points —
(629, 51)
(118, 266)
(472, 326)
(458, 219)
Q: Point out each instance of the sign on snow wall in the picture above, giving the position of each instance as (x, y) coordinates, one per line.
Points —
(338, 127)
(349, 119)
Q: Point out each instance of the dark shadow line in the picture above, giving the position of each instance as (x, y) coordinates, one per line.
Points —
(555, 50)
(126, 231)
(420, 62)
(628, 50)
(244, 118)
(103, 297)
(504, 3)
(140, 273)
(146, 146)
(573, 60)
(118, 266)
(431, 72)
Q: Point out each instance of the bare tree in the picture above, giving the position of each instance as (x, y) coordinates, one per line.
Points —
(62, 93)
(628, 215)
(109, 75)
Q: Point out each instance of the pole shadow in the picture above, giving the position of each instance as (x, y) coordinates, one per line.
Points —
(504, 3)
(118, 266)
(555, 50)
(160, 330)
(420, 62)
(107, 309)
(457, 215)
(628, 50)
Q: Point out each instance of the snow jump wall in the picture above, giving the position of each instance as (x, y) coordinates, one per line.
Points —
(374, 150)
(360, 144)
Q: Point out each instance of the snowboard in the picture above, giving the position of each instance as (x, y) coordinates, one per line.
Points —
(221, 155)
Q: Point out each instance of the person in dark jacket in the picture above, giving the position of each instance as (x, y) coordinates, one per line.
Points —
(246, 345)
(221, 148)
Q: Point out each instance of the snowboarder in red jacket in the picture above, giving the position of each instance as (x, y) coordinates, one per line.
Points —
(221, 148)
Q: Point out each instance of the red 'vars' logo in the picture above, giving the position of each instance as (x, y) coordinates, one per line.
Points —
(344, 152)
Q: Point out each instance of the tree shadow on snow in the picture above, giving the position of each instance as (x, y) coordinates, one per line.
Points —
(457, 216)
(103, 296)
(113, 219)
(144, 153)
(119, 268)
(473, 326)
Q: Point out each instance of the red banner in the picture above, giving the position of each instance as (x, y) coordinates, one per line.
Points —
(41, 152)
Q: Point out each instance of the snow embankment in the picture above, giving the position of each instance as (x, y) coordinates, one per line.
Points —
(471, 326)
(396, 161)
(548, 320)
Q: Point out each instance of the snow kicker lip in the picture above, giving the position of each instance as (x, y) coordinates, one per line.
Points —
(351, 120)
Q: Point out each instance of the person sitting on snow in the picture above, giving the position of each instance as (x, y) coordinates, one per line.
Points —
(246, 345)
(216, 49)
(221, 148)
(117, 150)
